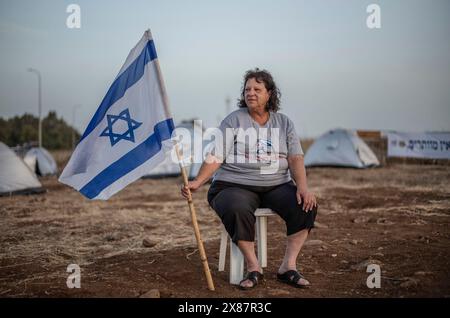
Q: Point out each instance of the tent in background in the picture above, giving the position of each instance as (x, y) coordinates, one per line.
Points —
(169, 167)
(193, 171)
(340, 147)
(40, 161)
(15, 176)
(195, 167)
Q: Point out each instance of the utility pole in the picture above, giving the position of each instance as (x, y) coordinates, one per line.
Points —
(35, 71)
(75, 107)
(228, 105)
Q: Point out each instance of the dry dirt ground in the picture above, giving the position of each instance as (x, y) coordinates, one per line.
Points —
(396, 216)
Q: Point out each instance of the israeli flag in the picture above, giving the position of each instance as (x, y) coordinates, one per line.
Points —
(129, 134)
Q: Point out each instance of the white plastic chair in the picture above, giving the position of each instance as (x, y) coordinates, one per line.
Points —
(236, 257)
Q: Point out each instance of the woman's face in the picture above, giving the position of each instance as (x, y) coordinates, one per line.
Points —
(256, 95)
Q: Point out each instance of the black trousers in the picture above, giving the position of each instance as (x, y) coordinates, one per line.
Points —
(235, 204)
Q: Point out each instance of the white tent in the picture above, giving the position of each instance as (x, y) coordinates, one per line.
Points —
(340, 147)
(15, 176)
(40, 161)
(193, 171)
(195, 167)
(207, 145)
(170, 166)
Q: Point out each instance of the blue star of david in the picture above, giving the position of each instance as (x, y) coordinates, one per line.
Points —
(127, 135)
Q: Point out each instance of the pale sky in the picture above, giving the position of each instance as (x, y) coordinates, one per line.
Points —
(332, 70)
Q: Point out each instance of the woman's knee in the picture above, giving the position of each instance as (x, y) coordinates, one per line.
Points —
(299, 218)
(233, 202)
(238, 213)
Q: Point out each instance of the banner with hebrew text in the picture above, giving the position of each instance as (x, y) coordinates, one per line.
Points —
(419, 145)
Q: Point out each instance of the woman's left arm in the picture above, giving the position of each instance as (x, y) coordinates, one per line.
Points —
(298, 173)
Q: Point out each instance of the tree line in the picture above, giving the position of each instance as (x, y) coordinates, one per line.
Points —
(20, 130)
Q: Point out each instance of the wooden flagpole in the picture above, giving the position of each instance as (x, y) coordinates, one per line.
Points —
(201, 249)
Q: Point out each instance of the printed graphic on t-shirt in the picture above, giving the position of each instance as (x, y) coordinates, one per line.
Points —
(264, 151)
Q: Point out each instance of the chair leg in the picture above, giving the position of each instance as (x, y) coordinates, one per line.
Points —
(223, 249)
(261, 233)
(236, 264)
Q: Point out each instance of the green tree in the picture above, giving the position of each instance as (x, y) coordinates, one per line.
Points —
(56, 133)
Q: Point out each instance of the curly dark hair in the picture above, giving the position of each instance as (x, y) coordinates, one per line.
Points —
(262, 76)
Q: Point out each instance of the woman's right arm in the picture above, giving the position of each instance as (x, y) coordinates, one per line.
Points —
(209, 166)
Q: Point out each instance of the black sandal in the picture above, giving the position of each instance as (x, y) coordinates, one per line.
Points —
(291, 278)
(254, 277)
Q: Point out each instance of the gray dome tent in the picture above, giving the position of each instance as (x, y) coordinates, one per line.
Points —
(195, 166)
(170, 166)
(15, 176)
(340, 147)
(40, 161)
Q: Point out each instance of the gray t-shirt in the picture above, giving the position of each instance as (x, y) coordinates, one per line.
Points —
(254, 154)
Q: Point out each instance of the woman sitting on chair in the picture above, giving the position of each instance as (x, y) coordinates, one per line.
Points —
(261, 159)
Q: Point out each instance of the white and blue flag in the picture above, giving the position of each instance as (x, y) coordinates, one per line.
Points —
(129, 134)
